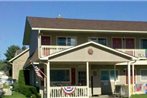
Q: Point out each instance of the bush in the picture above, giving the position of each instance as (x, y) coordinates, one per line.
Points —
(33, 96)
(21, 79)
(26, 90)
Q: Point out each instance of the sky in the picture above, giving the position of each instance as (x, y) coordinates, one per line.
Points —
(13, 15)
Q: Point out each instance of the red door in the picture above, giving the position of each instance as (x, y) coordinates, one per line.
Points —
(117, 43)
(129, 43)
(45, 40)
(73, 76)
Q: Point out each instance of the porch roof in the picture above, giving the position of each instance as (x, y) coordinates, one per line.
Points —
(91, 52)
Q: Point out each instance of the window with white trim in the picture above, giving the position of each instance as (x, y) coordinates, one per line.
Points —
(143, 43)
(66, 41)
(143, 74)
(100, 40)
(60, 75)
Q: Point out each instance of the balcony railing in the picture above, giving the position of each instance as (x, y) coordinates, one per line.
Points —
(141, 53)
(47, 50)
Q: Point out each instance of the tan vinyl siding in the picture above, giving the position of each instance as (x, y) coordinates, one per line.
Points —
(83, 37)
(18, 65)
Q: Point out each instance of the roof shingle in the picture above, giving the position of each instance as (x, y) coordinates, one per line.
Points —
(64, 23)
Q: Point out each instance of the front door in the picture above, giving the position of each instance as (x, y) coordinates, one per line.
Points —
(105, 82)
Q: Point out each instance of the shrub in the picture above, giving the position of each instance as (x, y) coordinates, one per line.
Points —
(33, 96)
(26, 90)
(21, 79)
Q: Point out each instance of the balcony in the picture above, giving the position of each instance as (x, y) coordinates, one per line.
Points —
(47, 50)
(141, 53)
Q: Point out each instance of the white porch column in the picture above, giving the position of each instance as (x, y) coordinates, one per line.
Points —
(133, 76)
(129, 80)
(87, 74)
(48, 80)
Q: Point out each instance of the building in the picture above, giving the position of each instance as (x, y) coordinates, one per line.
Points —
(82, 58)
(18, 62)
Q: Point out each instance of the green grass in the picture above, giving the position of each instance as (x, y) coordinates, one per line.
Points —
(139, 96)
(15, 95)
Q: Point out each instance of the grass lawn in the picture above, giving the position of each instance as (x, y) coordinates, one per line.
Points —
(139, 96)
(15, 95)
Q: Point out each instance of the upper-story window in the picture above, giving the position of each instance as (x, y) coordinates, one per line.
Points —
(45, 40)
(66, 41)
(100, 40)
(143, 43)
(119, 42)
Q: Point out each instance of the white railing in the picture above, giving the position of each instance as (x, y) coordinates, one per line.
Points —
(47, 50)
(80, 91)
(142, 53)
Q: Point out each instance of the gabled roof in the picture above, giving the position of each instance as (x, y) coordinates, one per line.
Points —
(17, 56)
(89, 43)
(40, 23)
(65, 23)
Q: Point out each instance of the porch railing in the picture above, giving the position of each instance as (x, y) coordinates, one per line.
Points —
(142, 53)
(80, 91)
(47, 50)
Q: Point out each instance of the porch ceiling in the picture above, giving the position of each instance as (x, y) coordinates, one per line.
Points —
(90, 52)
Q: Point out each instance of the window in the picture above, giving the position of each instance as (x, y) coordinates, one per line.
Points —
(60, 75)
(143, 74)
(82, 78)
(66, 41)
(45, 40)
(100, 40)
(109, 74)
(143, 43)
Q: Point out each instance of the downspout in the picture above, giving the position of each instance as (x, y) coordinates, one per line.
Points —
(129, 77)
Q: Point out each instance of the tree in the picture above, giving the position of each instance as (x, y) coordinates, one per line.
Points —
(21, 78)
(2, 65)
(23, 48)
(10, 53)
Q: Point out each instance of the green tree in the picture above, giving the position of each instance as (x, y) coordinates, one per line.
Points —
(21, 78)
(2, 65)
(10, 53)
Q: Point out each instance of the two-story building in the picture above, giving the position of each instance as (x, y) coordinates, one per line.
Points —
(82, 58)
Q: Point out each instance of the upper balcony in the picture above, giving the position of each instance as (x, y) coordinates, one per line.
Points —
(50, 49)
(141, 53)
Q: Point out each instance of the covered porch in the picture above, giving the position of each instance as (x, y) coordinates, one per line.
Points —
(85, 79)
(84, 71)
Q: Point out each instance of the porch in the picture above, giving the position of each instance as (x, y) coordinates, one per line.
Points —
(97, 64)
(84, 79)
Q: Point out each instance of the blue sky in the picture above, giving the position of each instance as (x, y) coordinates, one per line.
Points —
(13, 14)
